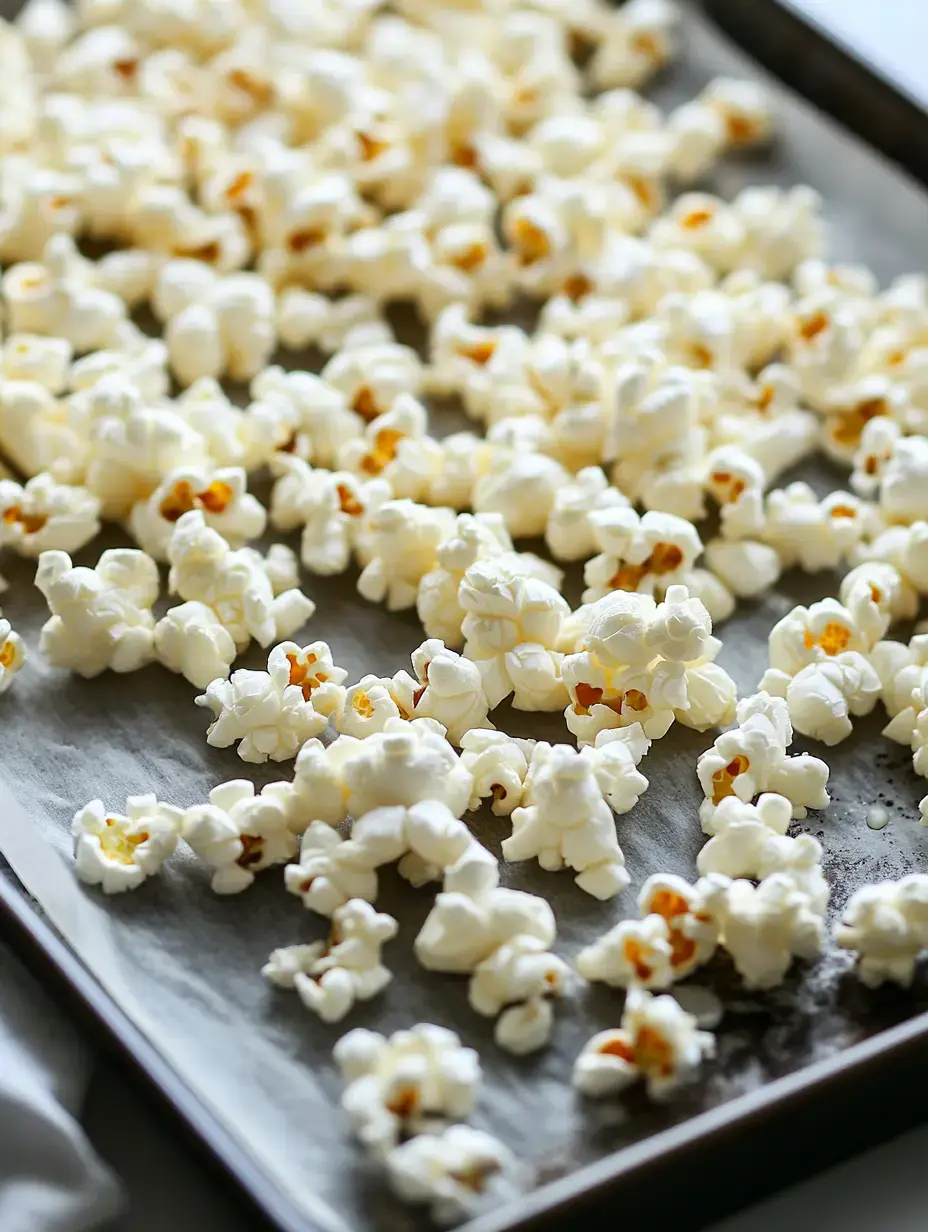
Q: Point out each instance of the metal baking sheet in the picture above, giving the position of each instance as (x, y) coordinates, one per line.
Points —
(183, 965)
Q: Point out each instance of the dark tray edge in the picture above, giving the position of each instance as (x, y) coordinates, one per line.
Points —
(830, 72)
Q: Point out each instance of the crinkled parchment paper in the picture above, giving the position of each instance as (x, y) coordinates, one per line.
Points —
(185, 964)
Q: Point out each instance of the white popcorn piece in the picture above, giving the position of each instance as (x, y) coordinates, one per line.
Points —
(472, 538)
(517, 982)
(902, 491)
(331, 871)
(745, 108)
(632, 952)
(752, 758)
(450, 690)
(511, 625)
(334, 507)
(657, 1041)
(522, 486)
(644, 554)
(34, 357)
(813, 634)
(689, 913)
(765, 926)
(498, 764)
(447, 1171)
(736, 481)
(568, 822)
(12, 654)
(221, 496)
(329, 977)
(190, 639)
(822, 697)
(811, 533)
(368, 704)
(638, 39)
(473, 916)
(570, 533)
(273, 713)
(876, 594)
(403, 545)
(100, 618)
(119, 852)
(238, 834)
(405, 764)
(43, 515)
(303, 415)
(886, 926)
(875, 448)
(747, 568)
(204, 569)
(416, 1079)
(740, 845)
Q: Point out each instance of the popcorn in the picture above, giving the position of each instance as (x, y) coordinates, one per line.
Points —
(736, 481)
(765, 926)
(822, 696)
(813, 635)
(334, 507)
(44, 515)
(644, 554)
(568, 822)
(689, 913)
(522, 486)
(371, 377)
(744, 107)
(638, 40)
(416, 1079)
(657, 1041)
(472, 538)
(902, 497)
(810, 533)
(12, 654)
(633, 952)
(204, 569)
(614, 757)
(100, 618)
(404, 540)
(272, 714)
(331, 871)
(406, 763)
(446, 1171)
(473, 916)
(875, 448)
(238, 834)
(222, 497)
(396, 447)
(33, 357)
(519, 979)
(498, 764)
(192, 640)
(329, 977)
(886, 925)
(511, 625)
(450, 690)
(570, 533)
(306, 416)
(119, 852)
(740, 833)
(747, 568)
(751, 759)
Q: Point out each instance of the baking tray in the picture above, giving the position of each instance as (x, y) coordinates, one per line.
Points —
(805, 1075)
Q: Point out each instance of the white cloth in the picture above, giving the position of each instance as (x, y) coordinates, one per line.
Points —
(50, 1178)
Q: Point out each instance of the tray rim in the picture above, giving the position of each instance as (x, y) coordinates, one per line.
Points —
(693, 1142)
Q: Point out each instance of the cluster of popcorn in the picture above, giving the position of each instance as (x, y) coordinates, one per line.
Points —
(639, 661)
(271, 176)
(406, 1097)
(886, 927)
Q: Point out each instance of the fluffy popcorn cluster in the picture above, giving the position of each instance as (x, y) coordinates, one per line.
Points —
(642, 662)
(502, 938)
(886, 927)
(233, 583)
(819, 663)
(272, 714)
(677, 933)
(238, 833)
(657, 1042)
(417, 1080)
(752, 758)
(42, 515)
(446, 1171)
(116, 852)
(101, 618)
(329, 977)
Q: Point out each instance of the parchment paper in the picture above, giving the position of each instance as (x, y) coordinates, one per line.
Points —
(185, 963)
